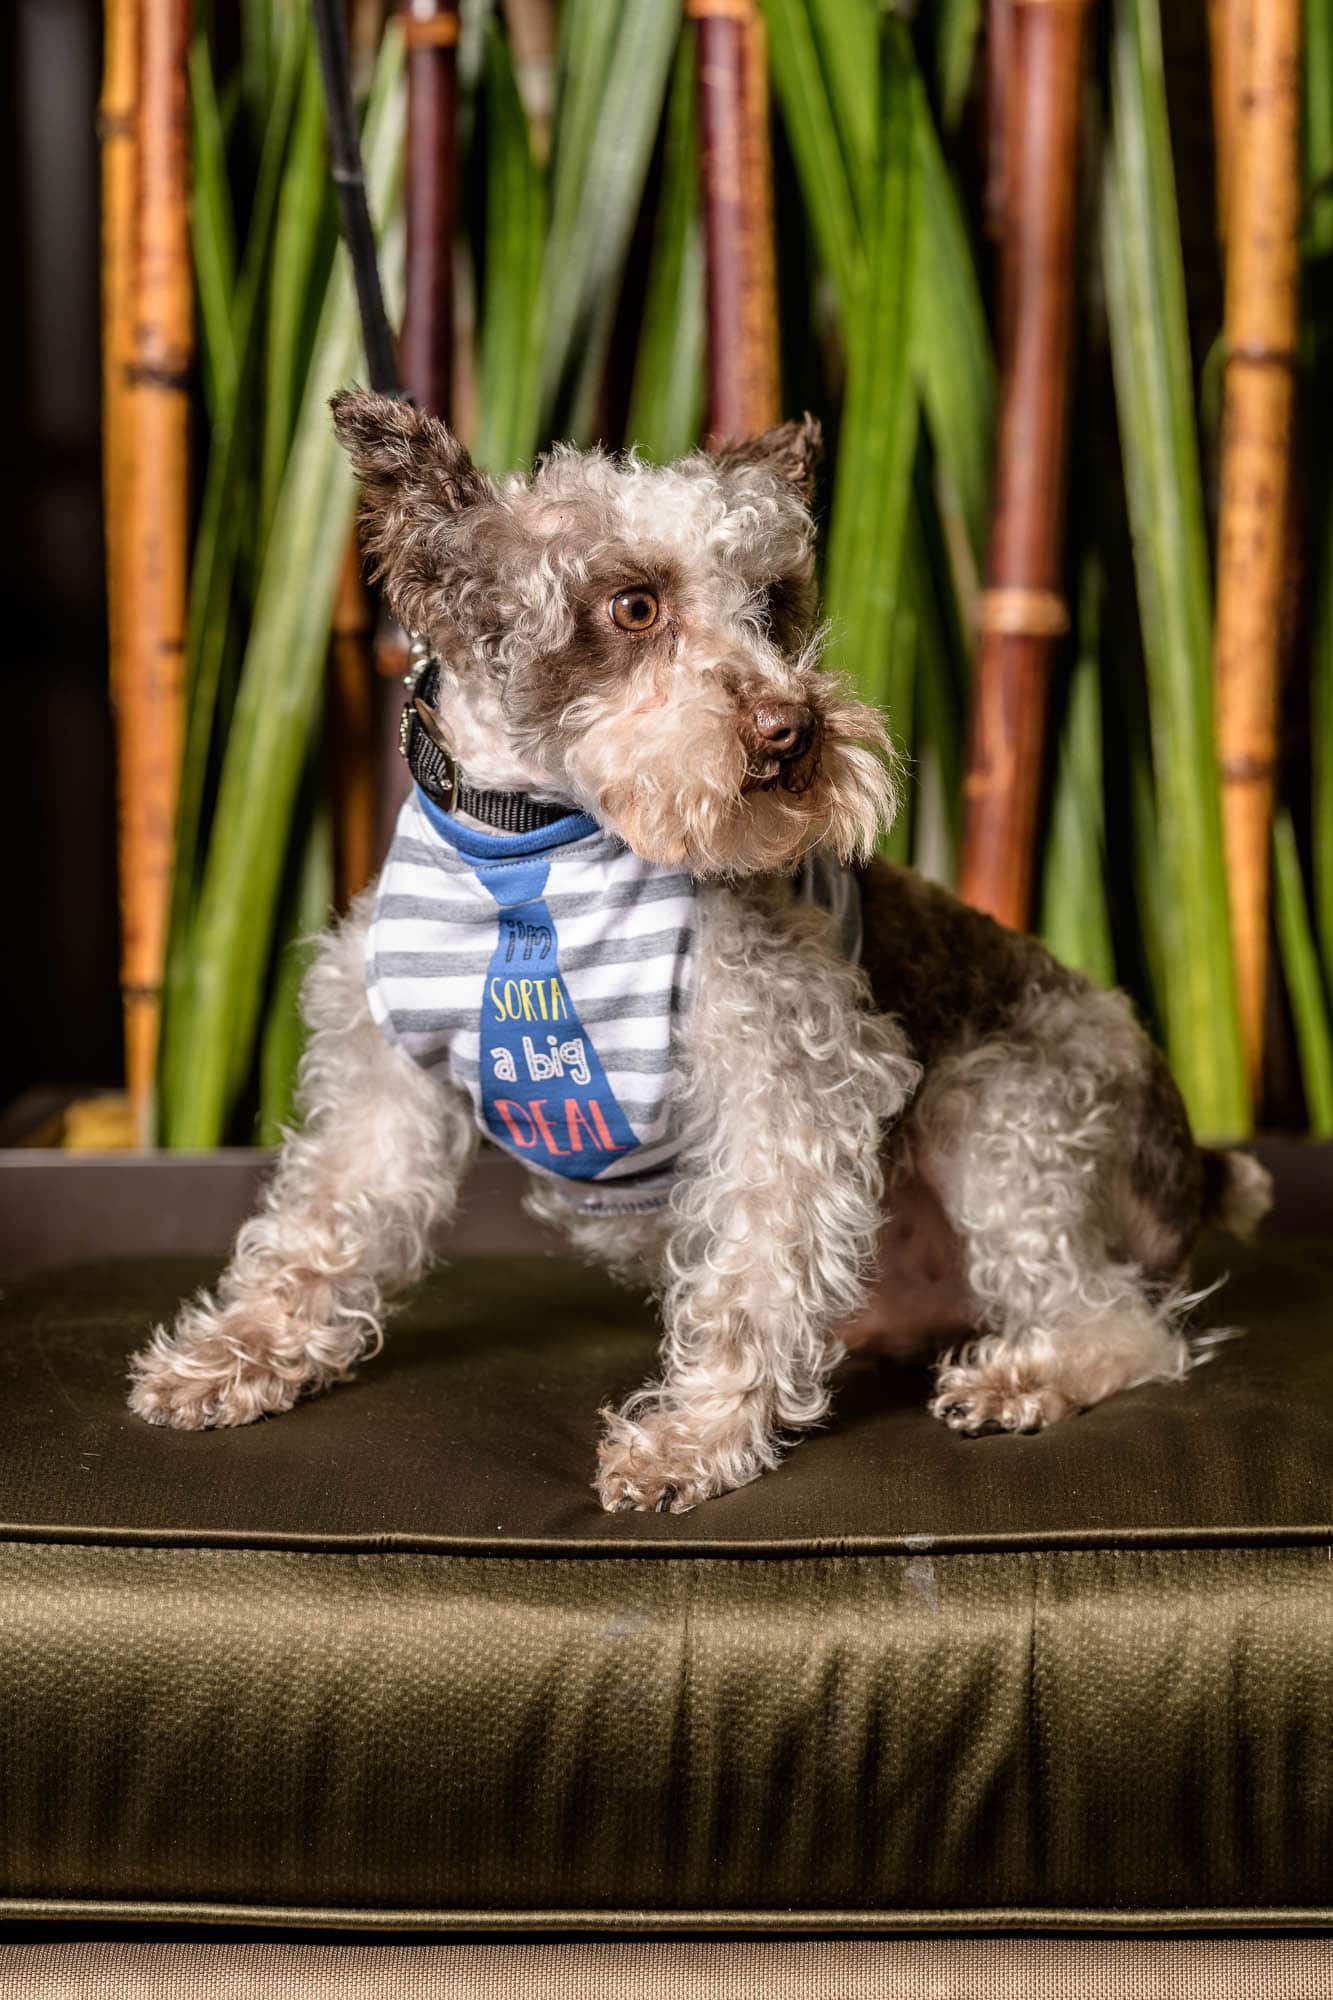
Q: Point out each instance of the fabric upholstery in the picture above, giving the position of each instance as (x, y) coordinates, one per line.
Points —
(383, 1663)
(830, 1969)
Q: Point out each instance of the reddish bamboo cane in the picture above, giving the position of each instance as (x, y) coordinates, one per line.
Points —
(743, 378)
(1022, 612)
(148, 674)
(431, 30)
(1259, 137)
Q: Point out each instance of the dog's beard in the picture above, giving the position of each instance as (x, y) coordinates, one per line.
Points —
(671, 777)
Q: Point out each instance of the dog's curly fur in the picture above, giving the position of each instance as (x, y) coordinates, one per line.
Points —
(958, 1056)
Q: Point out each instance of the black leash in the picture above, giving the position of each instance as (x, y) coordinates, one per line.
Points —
(349, 179)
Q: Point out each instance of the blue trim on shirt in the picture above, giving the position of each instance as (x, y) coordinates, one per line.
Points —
(477, 845)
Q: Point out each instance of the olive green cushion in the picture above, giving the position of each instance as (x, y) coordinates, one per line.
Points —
(383, 1660)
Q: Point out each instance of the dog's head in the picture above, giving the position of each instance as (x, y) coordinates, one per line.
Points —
(639, 639)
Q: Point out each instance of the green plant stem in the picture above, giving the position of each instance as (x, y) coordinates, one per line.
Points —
(812, 129)
(667, 397)
(872, 489)
(610, 109)
(511, 319)
(278, 699)
(212, 233)
(1154, 394)
(283, 1039)
(1074, 918)
(302, 208)
(211, 628)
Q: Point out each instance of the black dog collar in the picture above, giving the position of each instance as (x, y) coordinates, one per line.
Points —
(436, 769)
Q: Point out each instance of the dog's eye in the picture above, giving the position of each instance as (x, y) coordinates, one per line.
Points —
(634, 610)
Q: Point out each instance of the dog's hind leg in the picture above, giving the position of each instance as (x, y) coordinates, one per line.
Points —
(774, 1222)
(1076, 1260)
(360, 1193)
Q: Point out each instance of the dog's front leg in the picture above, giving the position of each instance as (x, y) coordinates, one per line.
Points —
(360, 1193)
(790, 1081)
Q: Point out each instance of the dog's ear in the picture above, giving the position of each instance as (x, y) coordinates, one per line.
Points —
(402, 455)
(418, 486)
(792, 451)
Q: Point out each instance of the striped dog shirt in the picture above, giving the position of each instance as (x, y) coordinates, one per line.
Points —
(547, 975)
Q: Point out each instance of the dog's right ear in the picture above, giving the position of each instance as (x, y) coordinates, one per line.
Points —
(791, 451)
(404, 456)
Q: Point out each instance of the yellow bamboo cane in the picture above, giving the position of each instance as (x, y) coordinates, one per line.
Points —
(115, 131)
(150, 492)
(1258, 136)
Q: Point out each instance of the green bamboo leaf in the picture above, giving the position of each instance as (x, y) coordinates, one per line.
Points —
(511, 317)
(1300, 967)
(1151, 362)
(304, 215)
(666, 405)
(283, 1038)
(588, 30)
(583, 267)
(877, 442)
(278, 700)
(212, 233)
(957, 26)
(943, 671)
(953, 357)
(262, 22)
(210, 625)
(846, 35)
(1075, 922)
(812, 129)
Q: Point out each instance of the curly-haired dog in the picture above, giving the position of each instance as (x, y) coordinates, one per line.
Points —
(620, 933)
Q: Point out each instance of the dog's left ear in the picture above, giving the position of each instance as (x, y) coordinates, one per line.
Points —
(792, 451)
(417, 486)
(401, 452)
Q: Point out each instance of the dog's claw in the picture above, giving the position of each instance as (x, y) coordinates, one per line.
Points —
(664, 1504)
(623, 1506)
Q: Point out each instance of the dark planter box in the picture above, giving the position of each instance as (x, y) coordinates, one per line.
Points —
(58, 1207)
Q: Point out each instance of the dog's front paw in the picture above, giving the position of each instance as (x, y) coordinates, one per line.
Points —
(978, 1402)
(658, 1464)
(196, 1384)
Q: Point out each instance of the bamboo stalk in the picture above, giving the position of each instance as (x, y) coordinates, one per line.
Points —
(430, 191)
(1230, 24)
(1022, 611)
(352, 694)
(1260, 331)
(149, 674)
(115, 131)
(999, 64)
(743, 391)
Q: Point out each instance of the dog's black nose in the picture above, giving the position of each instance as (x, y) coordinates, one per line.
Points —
(784, 727)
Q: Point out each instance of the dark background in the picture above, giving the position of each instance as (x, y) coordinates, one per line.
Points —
(60, 1011)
